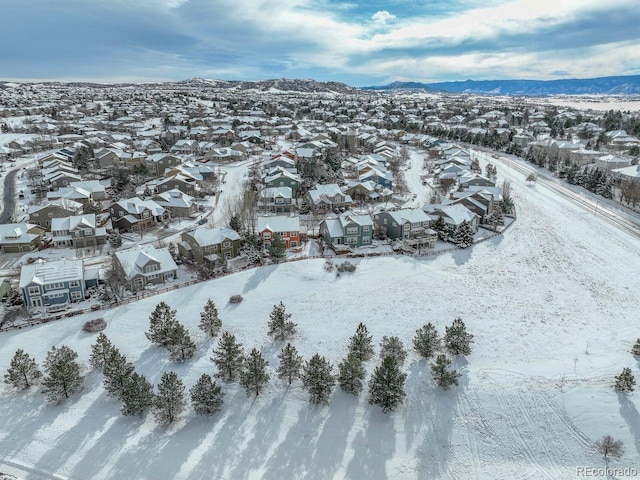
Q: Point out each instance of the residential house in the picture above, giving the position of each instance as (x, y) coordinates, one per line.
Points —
(287, 227)
(159, 162)
(453, 215)
(78, 231)
(347, 229)
(210, 244)
(367, 192)
(179, 204)
(276, 200)
(326, 198)
(145, 265)
(408, 224)
(181, 181)
(280, 177)
(43, 214)
(20, 237)
(133, 214)
(56, 283)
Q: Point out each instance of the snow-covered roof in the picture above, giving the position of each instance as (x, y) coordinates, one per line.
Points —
(278, 223)
(134, 259)
(73, 222)
(43, 273)
(213, 236)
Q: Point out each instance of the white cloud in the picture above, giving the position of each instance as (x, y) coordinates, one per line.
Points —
(382, 17)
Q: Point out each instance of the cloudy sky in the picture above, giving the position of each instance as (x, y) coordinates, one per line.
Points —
(369, 42)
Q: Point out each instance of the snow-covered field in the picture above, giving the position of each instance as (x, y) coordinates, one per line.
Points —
(553, 306)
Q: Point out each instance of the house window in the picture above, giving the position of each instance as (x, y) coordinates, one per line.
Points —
(366, 240)
(76, 295)
(74, 283)
(153, 276)
(406, 226)
(366, 228)
(352, 240)
(226, 244)
(352, 230)
(121, 213)
(266, 235)
(55, 286)
(34, 291)
(151, 268)
(57, 295)
(394, 224)
(384, 221)
(87, 232)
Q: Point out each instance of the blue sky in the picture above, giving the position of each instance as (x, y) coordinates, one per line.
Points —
(357, 42)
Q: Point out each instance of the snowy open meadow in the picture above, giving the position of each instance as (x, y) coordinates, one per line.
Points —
(553, 305)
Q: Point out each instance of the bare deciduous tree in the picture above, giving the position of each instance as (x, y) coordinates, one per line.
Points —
(609, 447)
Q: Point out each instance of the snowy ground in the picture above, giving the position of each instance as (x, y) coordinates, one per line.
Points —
(553, 305)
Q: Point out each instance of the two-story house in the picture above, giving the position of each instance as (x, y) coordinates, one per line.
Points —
(179, 204)
(210, 244)
(157, 163)
(133, 214)
(325, 198)
(408, 224)
(279, 177)
(43, 214)
(78, 231)
(276, 199)
(287, 227)
(60, 282)
(145, 265)
(347, 229)
(20, 237)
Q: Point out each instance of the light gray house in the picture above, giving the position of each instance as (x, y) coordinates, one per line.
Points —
(145, 265)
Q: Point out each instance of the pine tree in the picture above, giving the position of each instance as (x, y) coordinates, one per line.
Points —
(62, 373)
(361, 344)
(277, 248)
(427, 342)
(392, 346)
(209, 321)
(206, 396)
(386, 387)
(441, 373)
(351, 374)
(100, 351)
(440, 227)
(280, 327)
(228, 357)
(463, 236)
(181, 346)
(318, 379)
(625, 382)
(162, 322)
(170, 401)
(115, 240)
(456, 339)
(254, 376)
(290, 363)
(636, 348)
(117, 373)
(137, 395)
(23, 371)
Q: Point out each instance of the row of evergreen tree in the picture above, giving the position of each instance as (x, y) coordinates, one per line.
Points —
(63, 377)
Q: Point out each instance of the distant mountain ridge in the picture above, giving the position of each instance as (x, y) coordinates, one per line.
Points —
(622, 85)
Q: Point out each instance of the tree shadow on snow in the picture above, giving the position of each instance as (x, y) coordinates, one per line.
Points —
(416, 415)
(75, 437)
(373, 446)
(294, 454)
(332, 441)
(260, 274)
(435, 451)
(462, 255)
(631, 416)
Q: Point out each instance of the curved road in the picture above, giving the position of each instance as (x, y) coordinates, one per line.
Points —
(9, 198)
